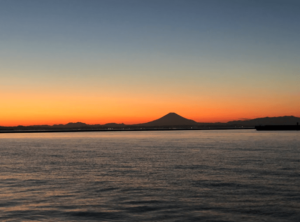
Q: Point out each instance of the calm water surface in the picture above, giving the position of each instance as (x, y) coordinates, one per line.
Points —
(240, 175)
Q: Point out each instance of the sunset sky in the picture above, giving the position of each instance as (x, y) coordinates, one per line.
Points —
(133, 61)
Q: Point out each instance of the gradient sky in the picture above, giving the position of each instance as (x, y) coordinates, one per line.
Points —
(132, 61)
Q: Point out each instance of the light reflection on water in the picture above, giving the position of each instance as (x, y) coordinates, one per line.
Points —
(234, 175)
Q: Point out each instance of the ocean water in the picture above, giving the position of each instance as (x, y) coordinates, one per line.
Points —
(229, 175)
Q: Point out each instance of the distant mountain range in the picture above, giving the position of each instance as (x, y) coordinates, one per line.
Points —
(282, 120)
(170, 120)
(173, 119)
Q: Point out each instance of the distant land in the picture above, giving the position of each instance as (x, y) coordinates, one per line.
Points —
(171, 121)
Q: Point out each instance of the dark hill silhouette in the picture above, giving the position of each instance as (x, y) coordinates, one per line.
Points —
(171, 119)
(71, 125)
(282, 120)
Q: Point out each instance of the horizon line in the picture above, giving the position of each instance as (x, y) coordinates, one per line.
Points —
(59, 124)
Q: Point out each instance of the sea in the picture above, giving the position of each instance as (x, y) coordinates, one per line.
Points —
(192, 175)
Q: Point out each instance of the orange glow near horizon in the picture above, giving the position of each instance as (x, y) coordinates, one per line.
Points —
(31, 108)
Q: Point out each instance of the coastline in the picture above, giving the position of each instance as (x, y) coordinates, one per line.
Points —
(121, 130)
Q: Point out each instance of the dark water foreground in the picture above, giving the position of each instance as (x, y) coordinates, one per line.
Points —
(150, 176)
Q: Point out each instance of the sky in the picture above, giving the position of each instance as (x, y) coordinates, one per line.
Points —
(133, 61)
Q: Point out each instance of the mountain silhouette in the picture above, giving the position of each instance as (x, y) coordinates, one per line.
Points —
(171, 119)
(281, 120)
